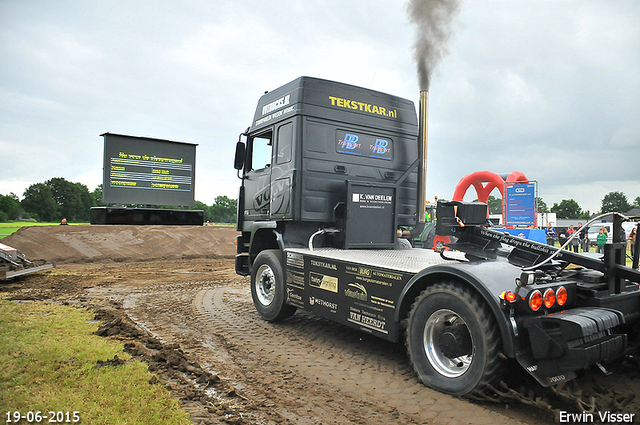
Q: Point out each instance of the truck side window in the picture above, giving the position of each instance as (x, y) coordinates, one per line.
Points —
(285, 138)
(261, 151)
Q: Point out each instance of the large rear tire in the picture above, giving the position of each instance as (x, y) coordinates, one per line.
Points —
(268, 286)
(453, 340)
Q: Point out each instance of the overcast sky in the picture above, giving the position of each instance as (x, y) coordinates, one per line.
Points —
(548, 88)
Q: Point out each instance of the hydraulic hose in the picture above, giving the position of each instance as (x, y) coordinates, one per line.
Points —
(576, 233)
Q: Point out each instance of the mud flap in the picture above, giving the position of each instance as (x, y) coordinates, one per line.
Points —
(565, 342)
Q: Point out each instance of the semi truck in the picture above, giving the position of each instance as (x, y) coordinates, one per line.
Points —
(332, 196)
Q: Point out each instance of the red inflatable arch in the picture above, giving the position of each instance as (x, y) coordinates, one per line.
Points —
(484, 182)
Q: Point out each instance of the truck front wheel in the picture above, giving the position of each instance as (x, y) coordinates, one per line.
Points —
(453, 340)
(268, 286)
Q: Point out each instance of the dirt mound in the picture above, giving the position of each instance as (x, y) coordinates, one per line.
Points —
(90, 243)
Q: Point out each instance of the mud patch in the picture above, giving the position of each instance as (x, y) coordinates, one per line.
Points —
(115, 361)
(208, 398)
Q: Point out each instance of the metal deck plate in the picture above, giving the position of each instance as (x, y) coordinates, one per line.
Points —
(405, 260)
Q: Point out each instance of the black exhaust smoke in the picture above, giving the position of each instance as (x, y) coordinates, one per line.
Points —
(433, 19)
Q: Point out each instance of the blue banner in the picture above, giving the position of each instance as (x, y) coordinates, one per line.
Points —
(520, 204)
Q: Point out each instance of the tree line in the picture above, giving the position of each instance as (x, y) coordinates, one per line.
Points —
(570, 209)
(58, 198)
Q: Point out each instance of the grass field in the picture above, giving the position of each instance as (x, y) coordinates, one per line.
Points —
(8, 228)
(49, 356)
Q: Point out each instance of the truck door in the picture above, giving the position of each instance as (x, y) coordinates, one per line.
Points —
(257, 178)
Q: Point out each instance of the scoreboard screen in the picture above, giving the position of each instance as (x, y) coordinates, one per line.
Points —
(142, 170)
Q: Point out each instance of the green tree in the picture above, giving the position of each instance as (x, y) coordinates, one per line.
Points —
(38, 200)
(96, 197)
(73, 199)
(568, 208)
(542, 206)
(206, 210)
(9, 207)
(224, 210)
(636, 202)
(615, 202)
(494, 204)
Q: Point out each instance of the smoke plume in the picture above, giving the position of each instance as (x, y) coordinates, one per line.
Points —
(433, 19)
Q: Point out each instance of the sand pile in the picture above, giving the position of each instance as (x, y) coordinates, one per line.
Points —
(77, 244)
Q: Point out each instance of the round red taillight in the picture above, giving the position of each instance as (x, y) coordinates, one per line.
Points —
(561, 296)
(535, 300)
(549, 298)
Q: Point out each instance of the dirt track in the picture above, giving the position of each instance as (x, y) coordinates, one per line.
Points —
(193, 321)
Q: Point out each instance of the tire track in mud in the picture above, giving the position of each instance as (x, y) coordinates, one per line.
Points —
(304, 370)
(167, 312)
(297, 398)
(350, 364)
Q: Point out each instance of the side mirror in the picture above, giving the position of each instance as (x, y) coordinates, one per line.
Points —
(238, 162)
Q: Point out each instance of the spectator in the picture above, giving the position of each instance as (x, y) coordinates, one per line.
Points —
(63, 222)
(632, 241)
(551, 235)
(585, 243)
(575, 241)
(601, 241)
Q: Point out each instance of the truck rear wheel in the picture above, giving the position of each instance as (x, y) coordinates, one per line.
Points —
(453, 340)
(268, 286)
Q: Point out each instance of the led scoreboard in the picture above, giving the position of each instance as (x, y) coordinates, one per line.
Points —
(142, 170)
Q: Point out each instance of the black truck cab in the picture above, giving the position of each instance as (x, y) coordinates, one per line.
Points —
(308, 141)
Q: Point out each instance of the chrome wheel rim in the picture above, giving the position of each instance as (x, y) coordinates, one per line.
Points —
(444, 333)
(265, 285)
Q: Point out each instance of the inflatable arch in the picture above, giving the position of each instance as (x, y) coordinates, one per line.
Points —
(484, 182)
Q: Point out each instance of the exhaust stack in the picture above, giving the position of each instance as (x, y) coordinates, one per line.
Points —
(423, 116)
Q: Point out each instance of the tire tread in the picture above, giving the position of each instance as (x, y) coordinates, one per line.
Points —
(495, 364)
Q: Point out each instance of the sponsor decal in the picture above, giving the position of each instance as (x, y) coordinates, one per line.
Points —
(382, 302)
(327, 283)
(363, 271)
(364, 145)
(295, 260)
(313, 301)
(294, 298)
(368, 322)
(372, 198)
(356, 291)
(380, 147)
(378, 277)
(358, 270)
(295, 278)
(350, 141)
(324, 265)
(270, 107)
(363, 107)
(275, 106)
(387, 275)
